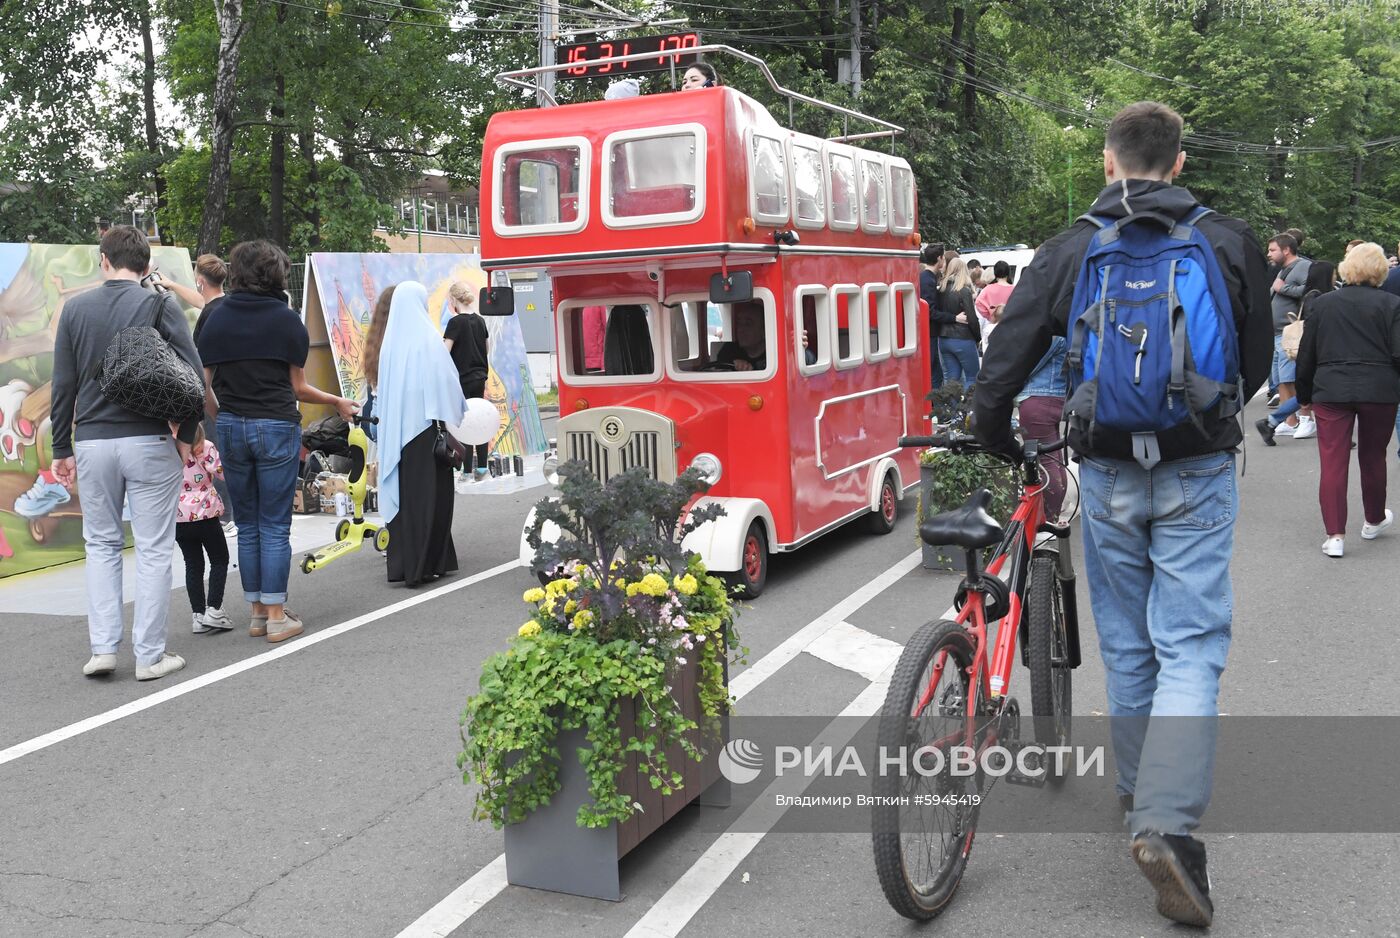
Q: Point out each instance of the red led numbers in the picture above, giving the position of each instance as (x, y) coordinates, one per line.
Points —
(583, 57)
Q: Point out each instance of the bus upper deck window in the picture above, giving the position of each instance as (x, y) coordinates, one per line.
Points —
(654, 176)
(807, 183)
(872, 177)
(769, 179)
(841, 175)
(538, 188)
(901, 200)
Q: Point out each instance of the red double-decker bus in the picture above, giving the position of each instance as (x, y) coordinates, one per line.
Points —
(728, 294)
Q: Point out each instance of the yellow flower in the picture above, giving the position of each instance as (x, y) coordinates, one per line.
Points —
(620, 583)
(686, 585)
(529, 629)
(569, 607)
(653, 584)
(632, 588)
(583, 619)
(534, 595)
(558, 587)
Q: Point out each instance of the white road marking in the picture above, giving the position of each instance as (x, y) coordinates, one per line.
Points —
(763, 669)
(460, 906)
(213, 677)
(445, 917)
(855, 649)
(674, 910)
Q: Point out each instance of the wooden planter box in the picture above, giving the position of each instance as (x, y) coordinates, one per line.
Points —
(548, 850)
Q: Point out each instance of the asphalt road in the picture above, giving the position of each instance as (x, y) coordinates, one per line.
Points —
(314, 793)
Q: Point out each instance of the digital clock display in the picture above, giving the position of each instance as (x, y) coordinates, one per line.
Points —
(581, 57)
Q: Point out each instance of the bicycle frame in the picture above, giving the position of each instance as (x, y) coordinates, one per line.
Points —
(1014, 555)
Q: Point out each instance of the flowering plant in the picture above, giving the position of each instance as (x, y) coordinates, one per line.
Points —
(616, 621)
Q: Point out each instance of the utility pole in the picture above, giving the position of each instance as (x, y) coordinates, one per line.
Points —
(855, 48)
(549, 26)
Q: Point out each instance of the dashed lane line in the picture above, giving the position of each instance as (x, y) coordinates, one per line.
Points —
(29, 746)
(466, 900)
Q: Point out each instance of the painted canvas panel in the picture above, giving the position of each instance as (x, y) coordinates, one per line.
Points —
(342, 288)
(40, 521)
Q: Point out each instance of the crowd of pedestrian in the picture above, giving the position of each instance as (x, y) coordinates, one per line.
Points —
(184, 482)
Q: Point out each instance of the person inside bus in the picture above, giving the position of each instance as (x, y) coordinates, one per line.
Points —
(748, 350)
(627, 344)
(700, 75)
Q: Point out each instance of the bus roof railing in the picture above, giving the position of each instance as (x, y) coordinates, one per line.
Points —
(517, 78)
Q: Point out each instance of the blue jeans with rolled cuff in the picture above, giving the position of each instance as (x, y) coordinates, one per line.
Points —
(260, 459)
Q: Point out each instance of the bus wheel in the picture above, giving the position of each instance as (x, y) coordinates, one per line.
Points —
(752, 575)
(881, 520)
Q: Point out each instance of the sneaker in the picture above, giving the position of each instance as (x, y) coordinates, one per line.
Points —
(1307, 429)
(100, 664)
(1273, 400)
(1175, 865)
(218, 620)
(230, 529)
(168, 664)
(1332, 547)
(1266, 430)
(481, 473)
(279, 630)
(1372, 531)
(199, 626)
(257, 626)
(42, 498)
(1285, 429)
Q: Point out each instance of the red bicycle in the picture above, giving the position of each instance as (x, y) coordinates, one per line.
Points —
(948, 711)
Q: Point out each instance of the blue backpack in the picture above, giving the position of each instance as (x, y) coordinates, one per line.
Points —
(1152, 335)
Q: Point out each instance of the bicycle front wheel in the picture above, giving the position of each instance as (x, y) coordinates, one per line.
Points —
(925, 818)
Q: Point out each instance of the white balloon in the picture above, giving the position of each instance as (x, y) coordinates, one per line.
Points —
(480, 423)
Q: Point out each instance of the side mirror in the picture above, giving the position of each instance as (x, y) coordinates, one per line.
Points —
(496, 301)
(736, 288)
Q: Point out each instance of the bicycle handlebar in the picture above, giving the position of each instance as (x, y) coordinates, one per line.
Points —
(959, 442)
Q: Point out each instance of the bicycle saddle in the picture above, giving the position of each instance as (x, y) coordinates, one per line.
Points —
(968, 527)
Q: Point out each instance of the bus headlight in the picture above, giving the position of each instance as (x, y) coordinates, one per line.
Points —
(709, 466)
(551, 467)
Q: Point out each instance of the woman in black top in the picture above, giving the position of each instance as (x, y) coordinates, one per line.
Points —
(254, 351)
(469, 344)
(1349, 371)
(932, 260)
(959, 331)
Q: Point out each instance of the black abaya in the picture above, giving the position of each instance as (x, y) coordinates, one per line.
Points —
(420, 536)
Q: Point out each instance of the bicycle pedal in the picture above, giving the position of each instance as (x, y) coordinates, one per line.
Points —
(1034, 761)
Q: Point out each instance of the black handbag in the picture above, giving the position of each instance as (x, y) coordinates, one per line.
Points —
(447, 450)
(144, 374)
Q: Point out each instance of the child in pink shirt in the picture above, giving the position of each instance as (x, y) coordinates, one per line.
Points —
(199, 532)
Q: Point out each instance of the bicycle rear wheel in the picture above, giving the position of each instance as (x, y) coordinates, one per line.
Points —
(1047, 652)
(921, 848)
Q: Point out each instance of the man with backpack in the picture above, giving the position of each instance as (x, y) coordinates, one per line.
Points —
(120, 453)
(1166, 308)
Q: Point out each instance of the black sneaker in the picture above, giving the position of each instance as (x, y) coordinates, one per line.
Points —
(1273, 400)
(1266, 430)
(1175, 865)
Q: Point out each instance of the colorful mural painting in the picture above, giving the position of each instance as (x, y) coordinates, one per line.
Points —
(341, 290)
(40, 520)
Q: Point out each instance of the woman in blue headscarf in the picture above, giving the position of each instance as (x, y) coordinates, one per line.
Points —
(416, 391)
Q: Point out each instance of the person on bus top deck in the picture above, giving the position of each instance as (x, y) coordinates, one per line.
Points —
(700, 75)
(1157, 542)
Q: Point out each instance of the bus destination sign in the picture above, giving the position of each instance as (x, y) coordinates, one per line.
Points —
(581, 57)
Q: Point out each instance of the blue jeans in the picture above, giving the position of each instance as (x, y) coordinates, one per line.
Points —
(960, 362)
(260, 463)
(1157, 547)
(1285, 410)
(1285, 369)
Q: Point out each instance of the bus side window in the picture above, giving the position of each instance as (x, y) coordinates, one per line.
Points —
(813, 338)
(876, 299)
(849, 325)
(906, 318)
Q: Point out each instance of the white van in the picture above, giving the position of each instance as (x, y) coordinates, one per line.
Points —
(1016, 255)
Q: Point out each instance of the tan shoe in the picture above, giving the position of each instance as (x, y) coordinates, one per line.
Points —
(257, 626)
(279, 630)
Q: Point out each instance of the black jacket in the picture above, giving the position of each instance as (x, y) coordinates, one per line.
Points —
(945, 315)
(1350, 352)
(1039, 310)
